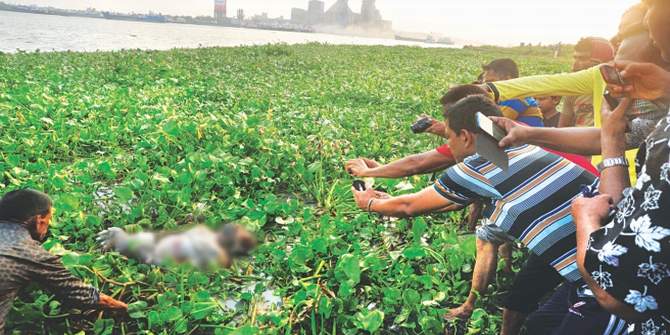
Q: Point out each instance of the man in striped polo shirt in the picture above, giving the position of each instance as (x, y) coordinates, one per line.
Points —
(529, 203)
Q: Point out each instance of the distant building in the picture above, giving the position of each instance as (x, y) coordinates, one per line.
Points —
(340, 15)
(220, 10)
(371, 17)
(298, 16)
(240, 14)
(369, 12)
(315, 11)
(262, 17)
(312, 16)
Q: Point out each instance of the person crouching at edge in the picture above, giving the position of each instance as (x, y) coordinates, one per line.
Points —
(24, 221)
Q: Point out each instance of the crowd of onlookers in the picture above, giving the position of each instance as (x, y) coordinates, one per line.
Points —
(585, 189)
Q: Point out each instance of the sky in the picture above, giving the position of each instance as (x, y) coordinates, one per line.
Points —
(500, 22)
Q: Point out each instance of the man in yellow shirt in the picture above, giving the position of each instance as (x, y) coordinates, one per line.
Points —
(589, 52)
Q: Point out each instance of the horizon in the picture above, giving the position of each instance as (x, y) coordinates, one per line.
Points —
(475, 22)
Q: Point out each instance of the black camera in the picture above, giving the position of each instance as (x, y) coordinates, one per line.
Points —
(421, 125)
(359, 185)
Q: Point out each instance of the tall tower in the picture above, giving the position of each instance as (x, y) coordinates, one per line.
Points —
(340, 14)
(369, 12)
(219, 10)
(315, 12)
(316, 6)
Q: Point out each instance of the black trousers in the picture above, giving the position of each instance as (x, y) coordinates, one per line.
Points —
(535, 280)
(572, 310)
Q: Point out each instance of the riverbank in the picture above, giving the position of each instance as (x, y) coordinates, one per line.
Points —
(31, 32)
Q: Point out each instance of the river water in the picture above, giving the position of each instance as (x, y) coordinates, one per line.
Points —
(30, 32)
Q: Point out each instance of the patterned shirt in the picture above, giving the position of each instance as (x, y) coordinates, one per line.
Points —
(23, 261)
(630, 256)
(646, 114)
(530, 203)
(581, 107)
(524, 110)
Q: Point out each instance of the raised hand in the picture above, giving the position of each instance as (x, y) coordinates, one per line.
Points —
(643, 81)
(517, 134)
(615, 121)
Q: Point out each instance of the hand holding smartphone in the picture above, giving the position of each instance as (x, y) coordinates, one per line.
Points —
(611, 75)
(487, 142)
(611, 101)
(359, 185)
(422, 125)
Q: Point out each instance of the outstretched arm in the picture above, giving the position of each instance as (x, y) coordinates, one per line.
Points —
(426, 162)
(139, 246)
(563, 84)
(581, 141)
(48, 271)
(424, 202)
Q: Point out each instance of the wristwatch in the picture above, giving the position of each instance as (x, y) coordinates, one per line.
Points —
(612, 162)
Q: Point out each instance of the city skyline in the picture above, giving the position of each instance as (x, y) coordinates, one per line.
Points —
(474, 21)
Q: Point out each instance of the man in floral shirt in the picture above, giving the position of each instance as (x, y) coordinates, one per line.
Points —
(629, 257)
(627, 262)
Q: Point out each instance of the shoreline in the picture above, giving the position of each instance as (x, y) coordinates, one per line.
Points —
(127, 34)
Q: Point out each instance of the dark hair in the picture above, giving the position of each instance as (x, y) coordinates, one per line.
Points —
(459, 92)
(503, 66)
(462, 114)
(21, 205)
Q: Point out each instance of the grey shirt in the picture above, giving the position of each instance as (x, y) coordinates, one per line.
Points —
(23, 261)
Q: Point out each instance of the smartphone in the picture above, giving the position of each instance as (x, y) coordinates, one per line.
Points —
(359, 185)
(487, 125)
(611, 75)
(612, 101)
(487, 143)
(421, 125)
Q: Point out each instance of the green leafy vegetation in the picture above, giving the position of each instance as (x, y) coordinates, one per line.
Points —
(257, 135)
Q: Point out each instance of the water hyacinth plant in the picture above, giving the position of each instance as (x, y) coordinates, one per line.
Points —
(255, 135)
